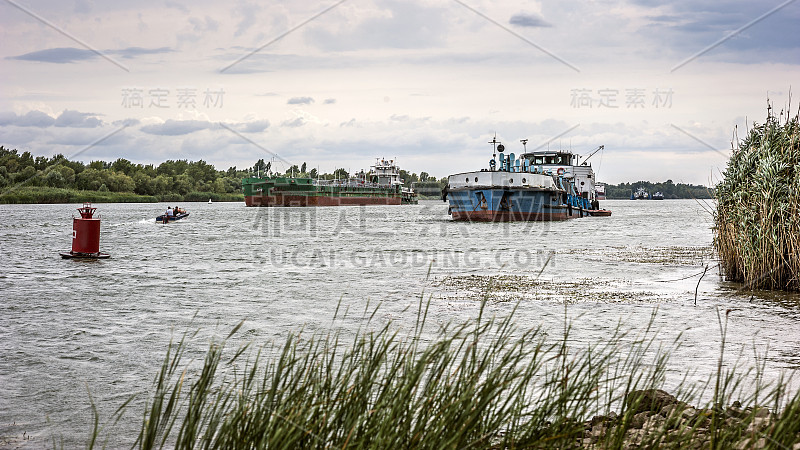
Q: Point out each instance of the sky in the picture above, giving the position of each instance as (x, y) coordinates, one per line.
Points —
(665, 87)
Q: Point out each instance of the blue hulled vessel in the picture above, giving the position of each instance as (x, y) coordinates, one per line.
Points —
(541, 185)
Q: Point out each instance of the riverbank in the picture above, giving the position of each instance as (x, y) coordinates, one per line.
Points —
(483, 383)
(49, 195)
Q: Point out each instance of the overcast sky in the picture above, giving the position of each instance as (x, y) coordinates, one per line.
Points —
(429, 82)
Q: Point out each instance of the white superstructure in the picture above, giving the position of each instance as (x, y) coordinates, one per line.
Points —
(386, 172)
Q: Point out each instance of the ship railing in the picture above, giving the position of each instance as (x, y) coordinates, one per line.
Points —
(350, 184)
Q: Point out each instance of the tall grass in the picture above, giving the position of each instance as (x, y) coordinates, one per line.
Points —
(758, 207)
(43, 194)
(481, 384)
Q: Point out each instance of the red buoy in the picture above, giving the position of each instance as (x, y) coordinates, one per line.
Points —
(86, 235)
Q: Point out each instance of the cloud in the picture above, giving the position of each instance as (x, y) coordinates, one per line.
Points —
(298, 122)
(57, 55)
(31, 119)
(178, 6)
(176, 127)
(300, 101)
(529, 20)
(67, 55)
(248, 13)
(82, 7)
(126, 122)
(663, 18)
(75, 119)
(199, 29)
(686, 27)
(329, 101)
(400, 24)
(255, 126)
(67, 119)
(131, 52)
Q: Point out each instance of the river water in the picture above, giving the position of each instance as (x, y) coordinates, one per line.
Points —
(69, 329)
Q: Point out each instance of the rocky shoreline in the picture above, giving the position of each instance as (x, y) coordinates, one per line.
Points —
(656, 419)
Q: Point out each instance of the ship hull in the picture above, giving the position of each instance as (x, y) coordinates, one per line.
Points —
(507, 216)
(506, 205)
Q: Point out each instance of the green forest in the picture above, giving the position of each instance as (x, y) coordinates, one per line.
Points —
(668, 188)
(25, 178)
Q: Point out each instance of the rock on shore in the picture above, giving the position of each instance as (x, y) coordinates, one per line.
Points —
(656, 419)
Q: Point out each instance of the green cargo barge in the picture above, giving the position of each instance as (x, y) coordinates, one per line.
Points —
(382, 186)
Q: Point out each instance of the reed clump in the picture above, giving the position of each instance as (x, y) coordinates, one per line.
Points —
(757, 232)
(483, 384)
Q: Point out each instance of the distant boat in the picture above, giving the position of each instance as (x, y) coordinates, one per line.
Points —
(657, 196)
(600, 190)
(209, 201)
(640, 194)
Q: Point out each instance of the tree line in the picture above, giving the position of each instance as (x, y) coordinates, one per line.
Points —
(179, 177)
(668, 188)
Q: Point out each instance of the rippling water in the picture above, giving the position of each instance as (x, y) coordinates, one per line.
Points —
(70, 328)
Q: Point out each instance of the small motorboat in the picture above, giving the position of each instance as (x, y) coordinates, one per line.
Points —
(599, 212)
(79, 255)
(180, 216)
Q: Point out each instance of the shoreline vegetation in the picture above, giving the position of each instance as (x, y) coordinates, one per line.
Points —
(757, 219)
(484, 384)
(50, 195)
(670, 190)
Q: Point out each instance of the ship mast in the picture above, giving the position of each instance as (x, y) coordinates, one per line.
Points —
(496, 147)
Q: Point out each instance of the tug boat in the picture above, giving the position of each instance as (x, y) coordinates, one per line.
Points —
(600, 190)
(537, 186)
(640, 194)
